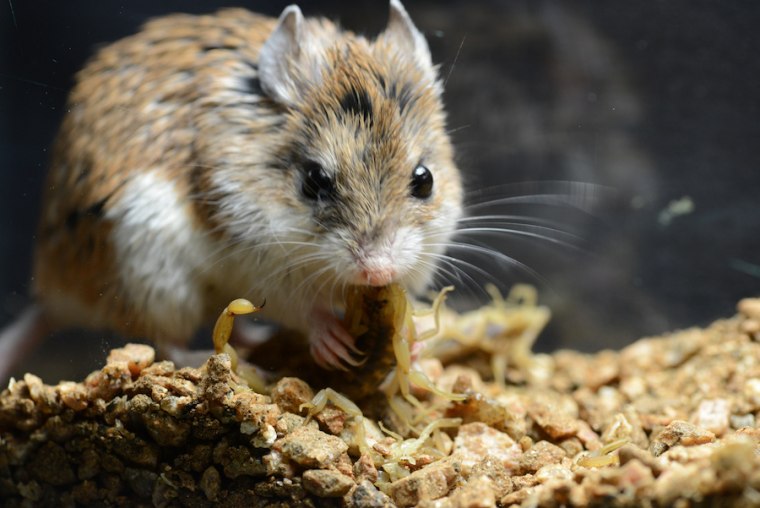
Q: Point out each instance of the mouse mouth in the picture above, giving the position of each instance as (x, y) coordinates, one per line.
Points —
(375, 276)
(374, 266)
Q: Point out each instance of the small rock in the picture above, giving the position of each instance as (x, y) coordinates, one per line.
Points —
(88, 464)
(713, 415)
(326, 483)
(210, 483)
(277, 465)
(477, 440)
(50, 464)
(630, 452)
(596, 406)
(290, 392)
(515, 498)
(109, 381)
(217, 386)
(751, 432)
(750, 327)
(254, 415)
(635, 475)
(478, 492)
(587, 436)
(752, 392)
(288, 422)
(364, 469)
(159, 369)
(165, 430)
(140, 481)
(735, 462)
(237, 461)
(366, 495)
(431, 482)
(263, 437)
(136, 356)
(344, 465)
(521, 489)
(633, 387)
(73, 395)
(680, 432)
(750, 307)
(602, 369)
(551, 472)
(332, 419)
(679, 480)
(493, 468)
(478, 408)
(290, 492)
(539, 455)
(571, 446)
(556, 423)
(310, 447)
(31, 491)
(176, 406)
(741, 421)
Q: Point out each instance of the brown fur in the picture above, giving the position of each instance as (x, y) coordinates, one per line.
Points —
(182, 98)
(98, 147)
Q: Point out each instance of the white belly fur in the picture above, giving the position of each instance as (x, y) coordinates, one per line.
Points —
(160, 250)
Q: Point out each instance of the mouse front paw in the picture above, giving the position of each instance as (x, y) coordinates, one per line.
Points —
(330, 343)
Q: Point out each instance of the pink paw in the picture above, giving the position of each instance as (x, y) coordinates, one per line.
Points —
(330, 344)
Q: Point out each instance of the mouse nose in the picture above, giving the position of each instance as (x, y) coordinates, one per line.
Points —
(379, 276)
(374, 265)
(375, 259)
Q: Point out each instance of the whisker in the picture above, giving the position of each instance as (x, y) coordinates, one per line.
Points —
(499, 256)
(448, 268)
(456, 57)
(582, 196)
(538, 224)
(481, 271)
(529, 234)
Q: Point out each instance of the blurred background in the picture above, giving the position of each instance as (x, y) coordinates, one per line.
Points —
(642, 115)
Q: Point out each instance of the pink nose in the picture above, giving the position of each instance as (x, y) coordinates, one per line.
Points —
(378, 276)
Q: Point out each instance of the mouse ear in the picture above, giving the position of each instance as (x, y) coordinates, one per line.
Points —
(282, 58)
(402, 32)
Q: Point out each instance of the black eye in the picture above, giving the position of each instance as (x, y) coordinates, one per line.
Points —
(317, 183)
(422, 182)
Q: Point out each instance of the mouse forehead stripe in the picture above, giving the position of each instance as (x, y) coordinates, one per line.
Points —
(356, 101)
(403, 94)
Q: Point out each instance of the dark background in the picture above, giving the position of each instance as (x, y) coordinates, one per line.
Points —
(652, 101)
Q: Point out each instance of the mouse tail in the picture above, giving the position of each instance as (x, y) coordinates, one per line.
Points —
(20, 337)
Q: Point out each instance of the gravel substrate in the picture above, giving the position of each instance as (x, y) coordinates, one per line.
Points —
(680, 410)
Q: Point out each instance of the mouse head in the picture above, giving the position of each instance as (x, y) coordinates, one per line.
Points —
(367, 155)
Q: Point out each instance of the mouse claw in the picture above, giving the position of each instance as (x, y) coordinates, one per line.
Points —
(330, 353)
(326, 359)
(347, 340)
(331, 345)
(341, 352)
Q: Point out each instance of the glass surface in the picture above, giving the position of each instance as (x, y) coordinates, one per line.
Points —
(639, 119)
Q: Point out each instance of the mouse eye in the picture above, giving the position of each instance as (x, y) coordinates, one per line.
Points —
(422, 182)
(317, 183)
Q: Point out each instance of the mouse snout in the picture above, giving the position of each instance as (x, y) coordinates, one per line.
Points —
(375, 265)
(381, 276)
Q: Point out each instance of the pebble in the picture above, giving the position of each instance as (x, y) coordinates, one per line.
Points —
(475, 441)
(326, 483)
(713, 415)
(431, 482)
(310, 447)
